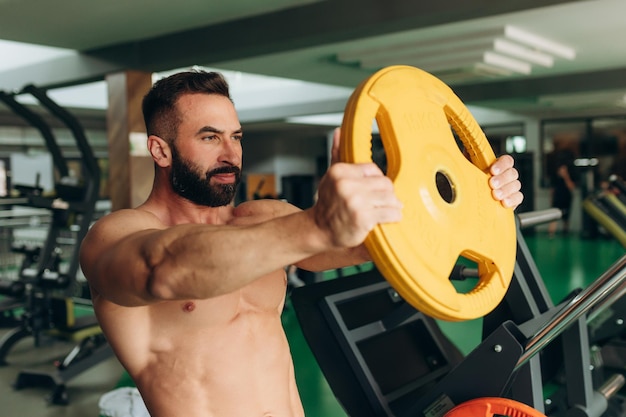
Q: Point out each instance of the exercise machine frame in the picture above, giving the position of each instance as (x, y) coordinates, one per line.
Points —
(507, 363)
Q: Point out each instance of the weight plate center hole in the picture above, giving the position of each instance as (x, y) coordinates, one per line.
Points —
(445, 186)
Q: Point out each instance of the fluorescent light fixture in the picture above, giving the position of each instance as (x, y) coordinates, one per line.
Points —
(492, 58)
(491, 70)
(586, 162)
(485, 53)
(539, 42)
(329, 119)
(434, 46)
(445, 62)
(518, 51)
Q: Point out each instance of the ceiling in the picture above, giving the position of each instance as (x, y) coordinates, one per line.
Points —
(332, 42)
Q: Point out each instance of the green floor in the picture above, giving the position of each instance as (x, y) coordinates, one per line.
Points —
(565, 264)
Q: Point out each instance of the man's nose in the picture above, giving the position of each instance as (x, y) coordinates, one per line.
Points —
(231, 152)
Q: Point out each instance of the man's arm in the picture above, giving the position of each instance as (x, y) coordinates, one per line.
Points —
(129, 258)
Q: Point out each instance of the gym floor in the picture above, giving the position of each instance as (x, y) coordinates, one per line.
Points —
(565, 263)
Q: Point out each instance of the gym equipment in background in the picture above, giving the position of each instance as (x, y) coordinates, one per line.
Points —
(379, 352)
(47, 283)
(608, 208)
(489, 407)
(381, 357)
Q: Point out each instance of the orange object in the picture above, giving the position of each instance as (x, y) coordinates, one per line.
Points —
(489, 406)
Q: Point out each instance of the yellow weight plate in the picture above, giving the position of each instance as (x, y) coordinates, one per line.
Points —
(416, 113)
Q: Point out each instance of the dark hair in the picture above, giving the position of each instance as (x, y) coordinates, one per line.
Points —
(159, 105)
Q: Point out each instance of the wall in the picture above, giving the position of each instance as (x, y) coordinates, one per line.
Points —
(283, 155)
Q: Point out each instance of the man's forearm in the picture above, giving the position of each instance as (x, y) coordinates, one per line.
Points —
(336, 259)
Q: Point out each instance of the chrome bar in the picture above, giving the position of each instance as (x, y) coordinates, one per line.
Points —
(609, 282)
(533, 218)
(612, 386)
(13, 201)
(603, 304)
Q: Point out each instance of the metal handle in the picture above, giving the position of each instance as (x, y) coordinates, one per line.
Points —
(608, 288)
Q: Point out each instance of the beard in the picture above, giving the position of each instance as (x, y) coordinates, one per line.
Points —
(188, 182)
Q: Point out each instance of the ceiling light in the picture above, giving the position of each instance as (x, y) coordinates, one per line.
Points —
(329, 119)
(435, 46)
(494, 52)
(518, 51)
(430, 64)
(539, 42)
(491, 70)
(492, 58)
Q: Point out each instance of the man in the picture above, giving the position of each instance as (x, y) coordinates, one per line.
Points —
(562, 189)
(189, 289)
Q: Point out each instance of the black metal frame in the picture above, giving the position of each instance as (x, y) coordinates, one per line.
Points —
(522, 330)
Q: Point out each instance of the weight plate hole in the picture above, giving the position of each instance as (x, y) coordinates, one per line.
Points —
(445, 187)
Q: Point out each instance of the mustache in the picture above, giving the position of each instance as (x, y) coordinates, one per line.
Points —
(224, 170)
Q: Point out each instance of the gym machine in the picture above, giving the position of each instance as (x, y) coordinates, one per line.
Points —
(608, 208)
(382, 357)
(390, 355)
(47, 277)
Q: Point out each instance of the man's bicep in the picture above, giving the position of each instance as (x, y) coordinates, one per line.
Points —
(113, 265)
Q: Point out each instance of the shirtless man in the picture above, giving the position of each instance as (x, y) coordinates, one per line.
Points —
(189, 289)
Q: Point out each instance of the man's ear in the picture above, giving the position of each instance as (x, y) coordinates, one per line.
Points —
(160, 151)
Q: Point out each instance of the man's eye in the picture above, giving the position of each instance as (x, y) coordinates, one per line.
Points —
(238, 138)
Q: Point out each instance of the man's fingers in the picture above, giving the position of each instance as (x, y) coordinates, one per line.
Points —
(505, 177)
(334, 150)
(367, 186)
(510, 194)
(502, 164)
(389, 214)
(505, 182)
(354, 198)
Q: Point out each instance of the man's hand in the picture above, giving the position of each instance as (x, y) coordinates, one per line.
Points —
(352, 200)
(334, 150)
(505, 183)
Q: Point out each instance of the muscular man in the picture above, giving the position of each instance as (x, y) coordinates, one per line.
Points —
(189, 289)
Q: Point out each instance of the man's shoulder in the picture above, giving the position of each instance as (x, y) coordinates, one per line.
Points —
(266, 208)
(137, 217)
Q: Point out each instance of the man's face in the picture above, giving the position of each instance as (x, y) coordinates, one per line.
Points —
(206, 156)
(190, 182)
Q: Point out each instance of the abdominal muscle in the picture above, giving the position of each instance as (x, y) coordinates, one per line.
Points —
(226, 356)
